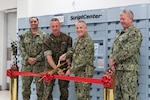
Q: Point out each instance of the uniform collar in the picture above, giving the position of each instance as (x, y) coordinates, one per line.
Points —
(38, 32)
(127, 29)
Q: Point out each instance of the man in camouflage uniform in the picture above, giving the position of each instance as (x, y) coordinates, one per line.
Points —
(82, 54)
(56, 44)
(124, 57)
(32, 54)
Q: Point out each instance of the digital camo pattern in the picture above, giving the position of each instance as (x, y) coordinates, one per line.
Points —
(83, 55)
(56, 46)
(125, 52)
(31, 46)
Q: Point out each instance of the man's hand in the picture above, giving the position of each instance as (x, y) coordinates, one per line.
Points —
(60, 72)
(68, 62)
(111, 62)
(113, 68)
(62, 57)
(109, 72)
(112, 65)
(31, 61)
(68, 72)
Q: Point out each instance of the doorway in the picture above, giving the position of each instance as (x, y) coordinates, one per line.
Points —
(10, 34)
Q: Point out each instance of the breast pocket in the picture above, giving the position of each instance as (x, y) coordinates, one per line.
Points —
(54, 45)
(27, 43)
(27, 40)
(64, 47)
(38, 46)
(40, 43)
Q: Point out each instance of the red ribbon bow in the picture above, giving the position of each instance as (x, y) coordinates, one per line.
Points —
(106, 80)
(48, 77)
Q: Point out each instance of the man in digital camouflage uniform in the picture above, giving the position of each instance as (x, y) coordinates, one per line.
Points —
(82, 55)
(32, 54)
(56, 44)
(124, 57)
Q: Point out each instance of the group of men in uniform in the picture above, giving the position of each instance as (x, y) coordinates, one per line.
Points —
(41, 52)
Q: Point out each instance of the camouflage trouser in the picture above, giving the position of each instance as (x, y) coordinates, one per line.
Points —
(82, 91)
(26, 83)
(63, 87)
(126, 85)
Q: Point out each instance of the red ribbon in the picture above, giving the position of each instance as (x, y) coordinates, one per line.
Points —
(106, 80)
(11, 73)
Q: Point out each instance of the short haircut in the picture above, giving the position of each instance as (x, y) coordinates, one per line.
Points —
(81, 21)
(55, 19)
(33, 17)
(128, 12)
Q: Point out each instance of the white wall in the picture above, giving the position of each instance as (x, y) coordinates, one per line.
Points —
(27, 8)
(7, 4)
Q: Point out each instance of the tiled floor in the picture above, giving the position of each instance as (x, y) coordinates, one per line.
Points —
(4, 95)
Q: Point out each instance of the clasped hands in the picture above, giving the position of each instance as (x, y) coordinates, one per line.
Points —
(111, 69)
(32, 61)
